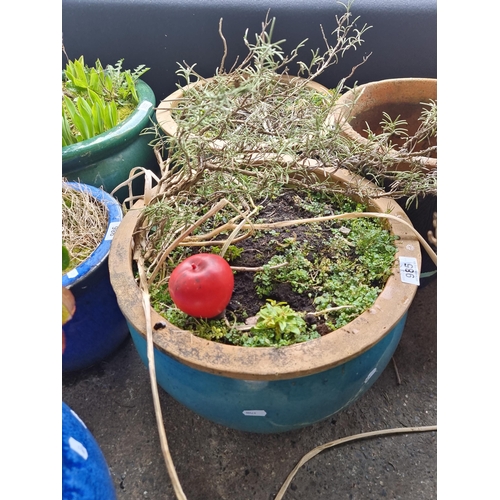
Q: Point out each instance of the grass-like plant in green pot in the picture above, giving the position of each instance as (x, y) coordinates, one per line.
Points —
(104, 111)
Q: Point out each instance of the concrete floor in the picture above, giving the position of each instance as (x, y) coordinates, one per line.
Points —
(216, 463)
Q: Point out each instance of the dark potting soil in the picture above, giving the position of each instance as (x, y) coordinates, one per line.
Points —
(245, 301)
(245, 297)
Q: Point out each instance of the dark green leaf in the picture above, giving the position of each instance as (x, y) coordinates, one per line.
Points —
(65, 258)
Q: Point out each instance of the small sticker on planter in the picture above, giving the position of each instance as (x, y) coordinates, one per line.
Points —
(72, 274)
(254, 413)
(145, 105)
(408, 269)
(111, 230)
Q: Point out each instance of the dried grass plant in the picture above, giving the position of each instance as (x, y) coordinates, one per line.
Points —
(84, 224)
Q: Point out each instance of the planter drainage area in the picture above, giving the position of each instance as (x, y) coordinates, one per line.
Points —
(214, 462)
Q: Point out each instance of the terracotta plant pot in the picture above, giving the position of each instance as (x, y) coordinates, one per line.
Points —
(265, 389)
(397, 97)
(167, 123)
(106, 160)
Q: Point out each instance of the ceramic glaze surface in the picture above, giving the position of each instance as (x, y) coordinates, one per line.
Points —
(270, 390)
(85, 473)
(98, 326)
(107, 159)
(276, 405)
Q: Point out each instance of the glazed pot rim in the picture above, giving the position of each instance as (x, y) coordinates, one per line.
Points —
(166, 121)
(269, 363)
(100, 254)
(128, 129)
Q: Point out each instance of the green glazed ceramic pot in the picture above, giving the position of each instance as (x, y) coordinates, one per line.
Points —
(106, 160)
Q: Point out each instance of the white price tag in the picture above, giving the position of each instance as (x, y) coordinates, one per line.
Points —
(408, 269)
(111, 230)
(254, 413)
(72, 274)
(145, 105)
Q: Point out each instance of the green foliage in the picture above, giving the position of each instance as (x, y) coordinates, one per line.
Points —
(253, 112)
(297, 272)
(163, 303)
(250, 111)
(278, 325)
(405, 147)
(232, 252)
(374, 247)
(65, 258)
(279, 317)
(214, 330)
(209, 329)
(355, 283)
(428, 127)
(345, 288)
(256, 106)
(96, 99)
(351, 271)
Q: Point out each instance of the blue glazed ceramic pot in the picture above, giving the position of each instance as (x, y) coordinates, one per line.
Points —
(106, 160)
(85, 473)
(98, 327)
(272, 406)
(267, 389)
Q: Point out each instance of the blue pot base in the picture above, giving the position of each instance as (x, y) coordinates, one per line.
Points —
(272, 406)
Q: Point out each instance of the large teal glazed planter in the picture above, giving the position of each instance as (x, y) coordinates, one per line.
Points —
(98, 327)
(266, 389)
(272, 406)
(106, 160)
(85, 472)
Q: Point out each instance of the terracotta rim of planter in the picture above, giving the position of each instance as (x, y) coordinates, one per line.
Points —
(379, 93)
(164, 109)
(269, 363)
